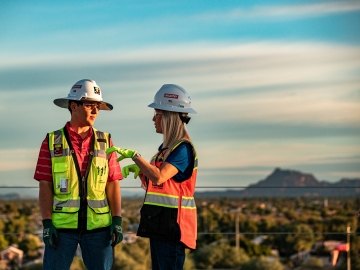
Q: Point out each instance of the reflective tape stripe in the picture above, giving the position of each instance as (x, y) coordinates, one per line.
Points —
(66, 152)
(169, 200)
(195, 163)
(76, 203)
(188, 202)
(99, 153)
(58, 137)
(97, 203)
(101, 135)
(161, 200)
(68, 203)
(159, 204)
(161, 194)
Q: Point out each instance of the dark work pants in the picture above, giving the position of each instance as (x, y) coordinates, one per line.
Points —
(167, 255)
(95, 248)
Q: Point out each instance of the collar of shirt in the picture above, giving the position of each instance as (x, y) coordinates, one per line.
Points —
(73, 134)
(81, 146)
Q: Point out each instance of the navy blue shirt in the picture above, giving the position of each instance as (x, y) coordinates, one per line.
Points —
(183, 159)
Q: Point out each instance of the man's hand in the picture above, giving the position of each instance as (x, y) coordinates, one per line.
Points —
(126, 170)
(116, 230)
(124, 153)
(50, 235)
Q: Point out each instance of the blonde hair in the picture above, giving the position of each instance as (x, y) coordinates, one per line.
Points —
(173, 129)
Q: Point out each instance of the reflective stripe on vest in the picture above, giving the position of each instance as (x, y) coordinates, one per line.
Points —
(97, 203)
(76, 203)
(68, 203)
(170, 201)
(65, 152)
(160, 199)
(188, 202)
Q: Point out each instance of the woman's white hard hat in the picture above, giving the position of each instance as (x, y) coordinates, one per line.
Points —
(173, 98)
(84, 90)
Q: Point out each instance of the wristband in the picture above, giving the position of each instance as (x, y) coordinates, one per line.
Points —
(136, 156)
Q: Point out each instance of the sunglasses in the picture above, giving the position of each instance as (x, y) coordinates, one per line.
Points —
(90, 106)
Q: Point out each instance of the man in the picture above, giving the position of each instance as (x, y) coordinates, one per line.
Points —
(79, 196)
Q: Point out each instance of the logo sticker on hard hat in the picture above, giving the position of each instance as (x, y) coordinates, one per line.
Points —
(96, 90)
(167, 95)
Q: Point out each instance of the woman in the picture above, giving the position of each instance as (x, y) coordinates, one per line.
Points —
(168, 215)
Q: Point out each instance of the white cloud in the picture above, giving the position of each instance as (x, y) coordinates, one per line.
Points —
(307, 83)
(287, 82)
(18, 159)
(323, 105)
(271, 153)
(282, 12)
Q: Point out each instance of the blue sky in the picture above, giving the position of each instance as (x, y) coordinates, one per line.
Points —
(275, 83)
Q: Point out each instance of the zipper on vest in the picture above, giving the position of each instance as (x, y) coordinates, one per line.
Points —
(83, 205)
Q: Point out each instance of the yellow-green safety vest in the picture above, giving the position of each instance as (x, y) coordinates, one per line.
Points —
(71, 190)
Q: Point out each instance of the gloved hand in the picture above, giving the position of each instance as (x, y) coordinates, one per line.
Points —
(126, 170)
(50, 235)
(124, 153)
(116, 230)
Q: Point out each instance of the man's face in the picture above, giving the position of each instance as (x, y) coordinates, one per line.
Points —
(84, 113)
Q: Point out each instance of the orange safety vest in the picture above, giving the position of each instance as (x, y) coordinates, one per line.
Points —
(174, 195)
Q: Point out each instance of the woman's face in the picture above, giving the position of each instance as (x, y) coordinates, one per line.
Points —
(157, 121)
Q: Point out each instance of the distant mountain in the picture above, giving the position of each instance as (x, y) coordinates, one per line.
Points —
(280, 183)
(290, 183)
(9, 196)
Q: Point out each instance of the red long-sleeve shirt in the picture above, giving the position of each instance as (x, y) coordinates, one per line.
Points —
(43, 171)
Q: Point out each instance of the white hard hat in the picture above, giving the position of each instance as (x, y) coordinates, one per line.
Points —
(84, 90)
(173, 98)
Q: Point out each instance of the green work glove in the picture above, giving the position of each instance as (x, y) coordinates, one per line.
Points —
(126, 170)
(50, 235)
(116, 230)
(124, 153)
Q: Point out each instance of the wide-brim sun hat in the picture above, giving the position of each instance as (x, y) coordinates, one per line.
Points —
(84, 90)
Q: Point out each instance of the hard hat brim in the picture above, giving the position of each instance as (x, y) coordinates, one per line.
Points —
(64, 103)
(169, 108)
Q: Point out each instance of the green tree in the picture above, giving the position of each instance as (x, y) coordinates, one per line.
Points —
(301, 239)
(134, 256)
(30, 245)
(296, 238)
(3, 242)
(262, 263)
(15, 229)
(313, 264)
(219, 255)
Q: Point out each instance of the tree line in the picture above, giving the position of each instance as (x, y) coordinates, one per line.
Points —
(232, 233)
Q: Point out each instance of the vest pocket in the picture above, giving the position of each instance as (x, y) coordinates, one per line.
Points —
(99, 206)
(99, 175)
(61, 179)
(65, 220)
